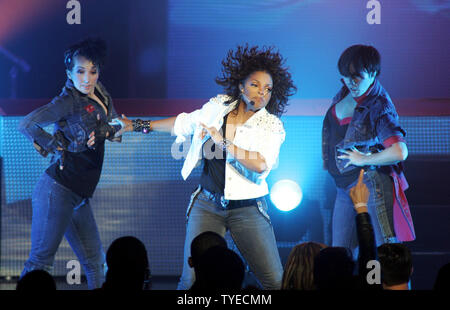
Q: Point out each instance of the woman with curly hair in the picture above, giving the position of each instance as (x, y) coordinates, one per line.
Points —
(237, 136)
(60, 201)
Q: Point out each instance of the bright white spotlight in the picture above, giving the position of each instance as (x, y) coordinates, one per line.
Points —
(286, 195)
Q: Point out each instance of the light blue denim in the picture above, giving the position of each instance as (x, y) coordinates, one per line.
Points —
(251, 230)
(58, 212)
(380, 206)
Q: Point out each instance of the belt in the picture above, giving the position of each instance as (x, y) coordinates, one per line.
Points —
(229, 204)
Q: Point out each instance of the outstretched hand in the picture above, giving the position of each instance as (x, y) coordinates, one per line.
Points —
(360, 194)
(127, 125)
(354, 157)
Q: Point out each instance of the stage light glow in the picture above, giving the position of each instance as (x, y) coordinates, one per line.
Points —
(286, 195)
(18, 14)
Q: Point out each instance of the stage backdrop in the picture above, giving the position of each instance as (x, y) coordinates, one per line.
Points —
(141, 191)
(173, 49)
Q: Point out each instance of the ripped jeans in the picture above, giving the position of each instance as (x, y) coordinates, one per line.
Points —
(380, 206)
(251, 230)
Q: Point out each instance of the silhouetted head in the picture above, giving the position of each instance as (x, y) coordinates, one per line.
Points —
(299, 270)
(203, 242)
(396, 263)
(443, 278)
(219, 268)
(128, 265)
(333, 268)
(36, 280)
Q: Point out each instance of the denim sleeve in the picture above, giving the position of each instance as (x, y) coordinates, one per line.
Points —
(367, 245)
(387, 126)
(366, 239)
(32, 124)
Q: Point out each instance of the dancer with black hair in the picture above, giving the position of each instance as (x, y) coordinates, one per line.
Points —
(81, 115)
(361, 129)
(237, 136)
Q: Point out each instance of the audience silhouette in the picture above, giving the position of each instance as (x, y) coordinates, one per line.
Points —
(396, 266)
(36, 280)
(442, 282)
(219, 268)
(333, 269)
(203, 242)
(299, 270)
(128, 266)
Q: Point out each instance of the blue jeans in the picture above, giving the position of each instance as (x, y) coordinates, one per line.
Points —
(380, 206)
(251, 230)
(58, 212)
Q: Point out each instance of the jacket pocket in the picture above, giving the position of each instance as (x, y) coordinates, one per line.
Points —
(79, 135)
(361, 132)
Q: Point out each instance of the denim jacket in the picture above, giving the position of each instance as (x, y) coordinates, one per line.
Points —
(73, 113)
(374, 127)
(374, 121)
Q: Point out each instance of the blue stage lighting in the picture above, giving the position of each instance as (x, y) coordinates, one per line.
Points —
(286, 195)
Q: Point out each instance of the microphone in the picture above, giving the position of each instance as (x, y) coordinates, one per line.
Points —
(247, 100)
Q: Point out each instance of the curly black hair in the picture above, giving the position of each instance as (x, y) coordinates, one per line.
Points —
(245, 60)
(93, 49)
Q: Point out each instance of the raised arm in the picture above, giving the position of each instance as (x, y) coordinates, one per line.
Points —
(183, 124)
(366, 237)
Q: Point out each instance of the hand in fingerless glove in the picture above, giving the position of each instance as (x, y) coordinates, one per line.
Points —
(61, 141)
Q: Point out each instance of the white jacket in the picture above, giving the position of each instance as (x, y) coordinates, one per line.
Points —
(262, 132)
